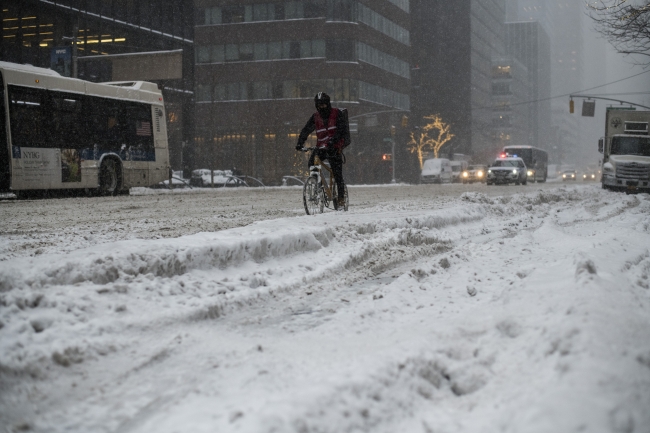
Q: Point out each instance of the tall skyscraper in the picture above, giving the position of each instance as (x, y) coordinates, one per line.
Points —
(528, 42)
(453, 47)
(563, 21)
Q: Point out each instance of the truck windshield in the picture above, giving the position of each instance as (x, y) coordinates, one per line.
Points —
(631, 146)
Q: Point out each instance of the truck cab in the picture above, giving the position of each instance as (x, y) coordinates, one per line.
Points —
(626, 151)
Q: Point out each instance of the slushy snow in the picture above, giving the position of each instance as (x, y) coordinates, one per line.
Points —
(521, 313)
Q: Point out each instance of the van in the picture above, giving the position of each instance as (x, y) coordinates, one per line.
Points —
(436, 170)
(457, 168)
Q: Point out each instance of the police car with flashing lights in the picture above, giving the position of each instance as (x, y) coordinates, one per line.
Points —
(507, 170)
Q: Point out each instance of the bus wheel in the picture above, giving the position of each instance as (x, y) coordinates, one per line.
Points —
(108, 177)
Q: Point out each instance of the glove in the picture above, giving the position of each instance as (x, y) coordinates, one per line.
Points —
(299, 146)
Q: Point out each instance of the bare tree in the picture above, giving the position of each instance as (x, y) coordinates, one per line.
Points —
(421, 140)
(624, 23)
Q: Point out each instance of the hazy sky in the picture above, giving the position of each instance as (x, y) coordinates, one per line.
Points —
(604, 65)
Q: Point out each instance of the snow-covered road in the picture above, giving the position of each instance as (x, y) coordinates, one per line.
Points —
(491, 310)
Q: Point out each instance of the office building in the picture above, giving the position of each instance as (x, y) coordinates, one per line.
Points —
(528, 43)
(260, 63)
(511, 92)
(454, 44)
(111, 40)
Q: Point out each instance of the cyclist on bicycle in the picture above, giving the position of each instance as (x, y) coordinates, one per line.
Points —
(331, 126)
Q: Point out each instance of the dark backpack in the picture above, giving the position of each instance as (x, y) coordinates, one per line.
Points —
(346, 129)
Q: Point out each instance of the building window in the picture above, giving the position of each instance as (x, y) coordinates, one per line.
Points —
(341, 10)
(380, 95)
(340, 50)
(501, 88)
(402, 4)
(340, 89)
(262, 90)
(378, 22)
(233, 14)
(314, 8)
(375, 57)
(293, 10)
(213, 15)
(232, 52)
(245, 52)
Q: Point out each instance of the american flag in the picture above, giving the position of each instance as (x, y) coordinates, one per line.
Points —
(142, 128)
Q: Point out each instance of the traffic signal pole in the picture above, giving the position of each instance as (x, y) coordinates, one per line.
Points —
(604, 99)
(392, 139)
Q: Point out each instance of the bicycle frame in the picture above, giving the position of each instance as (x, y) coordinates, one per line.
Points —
(319, 192)
(328, 186)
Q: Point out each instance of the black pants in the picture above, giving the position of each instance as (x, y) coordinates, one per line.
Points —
(336, 164)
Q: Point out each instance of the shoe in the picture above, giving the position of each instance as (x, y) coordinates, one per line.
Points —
(341, 203)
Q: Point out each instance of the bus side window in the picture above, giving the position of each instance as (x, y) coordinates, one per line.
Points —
(28, 117)
(103, 125)
(66, 120)
(139, 131)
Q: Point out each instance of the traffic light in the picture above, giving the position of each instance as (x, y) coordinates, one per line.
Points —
(571, 106)
(392, 130)
(386, 157)
(405, 121)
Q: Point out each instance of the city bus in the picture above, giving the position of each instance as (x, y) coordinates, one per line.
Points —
(536, 161)
(65, 134)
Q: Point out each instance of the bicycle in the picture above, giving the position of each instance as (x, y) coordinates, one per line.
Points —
(321, 191)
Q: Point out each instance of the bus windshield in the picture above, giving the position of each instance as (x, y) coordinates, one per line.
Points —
(631, 146)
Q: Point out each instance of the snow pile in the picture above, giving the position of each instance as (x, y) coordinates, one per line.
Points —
(522, 313)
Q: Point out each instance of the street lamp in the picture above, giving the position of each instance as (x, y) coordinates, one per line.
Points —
(392, 140)
(75, 52)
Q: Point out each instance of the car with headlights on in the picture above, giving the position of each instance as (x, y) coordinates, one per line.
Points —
(569, 175)
(507, 170)
(590, 175)
(475, 173)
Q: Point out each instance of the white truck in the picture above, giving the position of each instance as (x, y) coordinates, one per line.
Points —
(626, 151)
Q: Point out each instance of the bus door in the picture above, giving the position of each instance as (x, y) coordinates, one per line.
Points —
(158, 169)
(5, 171)
(139, 144)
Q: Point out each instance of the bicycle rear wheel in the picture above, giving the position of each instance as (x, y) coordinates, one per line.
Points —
(312, 197)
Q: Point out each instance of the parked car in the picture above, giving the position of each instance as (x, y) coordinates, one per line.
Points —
(436, 170)
(474, 173)
(507, 170)
(177, 181)
(457, 168)
(217, 178)
(569, 175)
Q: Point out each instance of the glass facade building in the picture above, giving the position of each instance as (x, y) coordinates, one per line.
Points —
(106, 37)
(259, 65)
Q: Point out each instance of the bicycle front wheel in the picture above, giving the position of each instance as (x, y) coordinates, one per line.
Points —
(312, 197)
